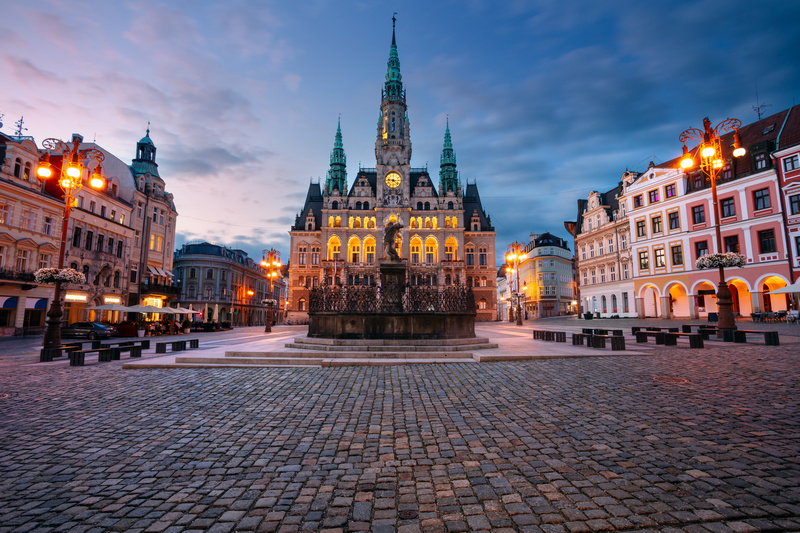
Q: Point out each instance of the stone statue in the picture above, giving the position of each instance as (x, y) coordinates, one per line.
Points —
(389, 234)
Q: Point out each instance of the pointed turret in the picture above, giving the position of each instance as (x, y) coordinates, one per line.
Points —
(448, 176)
(145, 161)
(337, 175)
(393, 89)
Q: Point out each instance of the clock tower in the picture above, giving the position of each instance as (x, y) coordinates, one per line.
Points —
(342, 236)
(393, 143)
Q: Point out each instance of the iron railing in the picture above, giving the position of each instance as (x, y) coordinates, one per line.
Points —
(407, 299)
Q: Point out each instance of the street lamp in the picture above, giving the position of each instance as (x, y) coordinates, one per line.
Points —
(709, 151)
(515, 255)
(70, 179)
(271, 262)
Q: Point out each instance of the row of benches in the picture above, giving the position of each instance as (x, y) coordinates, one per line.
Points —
(592, 340)
(667, 336)
(110, 351)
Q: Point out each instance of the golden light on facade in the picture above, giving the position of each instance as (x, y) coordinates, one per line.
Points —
(711, 164)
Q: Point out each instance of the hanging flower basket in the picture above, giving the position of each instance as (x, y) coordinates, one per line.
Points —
(65, 275)
(730, 259)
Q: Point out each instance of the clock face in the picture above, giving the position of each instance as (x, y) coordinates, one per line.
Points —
(393, 179)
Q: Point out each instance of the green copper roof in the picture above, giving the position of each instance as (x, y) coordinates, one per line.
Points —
(448, 177)
(394, 80)
(337, 174)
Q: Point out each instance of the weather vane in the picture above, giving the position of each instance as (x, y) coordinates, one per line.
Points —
(20, 127)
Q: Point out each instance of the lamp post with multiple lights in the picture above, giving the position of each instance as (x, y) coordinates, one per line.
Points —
(70, 179)
(272, 263)
(710, 155)
(515, 255)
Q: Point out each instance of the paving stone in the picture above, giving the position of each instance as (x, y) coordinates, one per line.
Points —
(569, 444)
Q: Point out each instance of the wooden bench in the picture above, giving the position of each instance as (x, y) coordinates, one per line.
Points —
(46, 355)
(695, 339)
(77, 357)
(706, 331)
(740, 336)
(577, 339)
(642, 335)
(617, 341)
(144, 343)
(134, 349)
(195, 343)
(177, 346)
(540, 334)
(601, 331)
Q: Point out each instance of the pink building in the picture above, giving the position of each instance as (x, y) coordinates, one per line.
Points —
(672, 224)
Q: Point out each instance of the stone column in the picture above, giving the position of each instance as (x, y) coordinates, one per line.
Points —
(393, 277)
(757, 300)
(20, 318)
(692, 307)
(665, 312)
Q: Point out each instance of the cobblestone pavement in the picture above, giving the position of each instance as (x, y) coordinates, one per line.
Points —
(680, 440)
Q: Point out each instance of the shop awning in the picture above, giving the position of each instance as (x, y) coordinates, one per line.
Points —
(8, 302)
(153, 270)
(169, 274)
(36, 303)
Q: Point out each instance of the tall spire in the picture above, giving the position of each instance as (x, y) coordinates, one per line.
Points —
(393, 89)
(337, 175)
(448, 176)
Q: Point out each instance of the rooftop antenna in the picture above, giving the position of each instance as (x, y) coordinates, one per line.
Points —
(20, 127)
(759, 108)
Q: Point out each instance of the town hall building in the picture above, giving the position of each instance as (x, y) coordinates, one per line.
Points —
(446, 238)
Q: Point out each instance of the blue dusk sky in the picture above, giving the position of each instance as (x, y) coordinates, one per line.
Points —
(546, 100)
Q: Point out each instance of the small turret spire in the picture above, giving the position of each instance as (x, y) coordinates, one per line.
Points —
(448, 176)
(337, 175)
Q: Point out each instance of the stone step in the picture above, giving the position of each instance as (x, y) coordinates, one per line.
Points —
(393, 348)
(316, 354)
(252, 362)
(391, 342)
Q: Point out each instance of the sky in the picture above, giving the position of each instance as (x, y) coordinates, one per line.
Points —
(546, 100)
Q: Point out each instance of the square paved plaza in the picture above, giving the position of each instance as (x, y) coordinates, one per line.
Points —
(674, 440)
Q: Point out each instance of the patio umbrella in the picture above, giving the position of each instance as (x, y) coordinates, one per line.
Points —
(111, 307)
(146, 309)
(789, 289)
(181, 311)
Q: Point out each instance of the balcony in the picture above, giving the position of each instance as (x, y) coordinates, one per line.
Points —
(156, 288)
(11, 274)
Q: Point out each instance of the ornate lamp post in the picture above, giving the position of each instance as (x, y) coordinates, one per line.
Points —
(70, 179)
(515, 255)
(271, 262)
(710, 155)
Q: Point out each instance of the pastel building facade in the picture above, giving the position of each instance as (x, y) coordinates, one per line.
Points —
(668, 217)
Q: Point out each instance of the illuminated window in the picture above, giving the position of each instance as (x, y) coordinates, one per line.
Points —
(660, 258)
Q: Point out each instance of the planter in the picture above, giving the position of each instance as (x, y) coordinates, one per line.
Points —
(140, 333)
(587, 316)
(187, 330)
